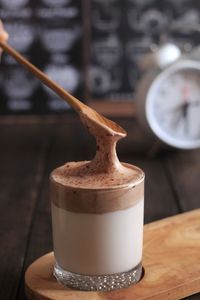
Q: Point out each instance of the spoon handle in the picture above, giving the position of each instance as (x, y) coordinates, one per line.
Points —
(71, 100)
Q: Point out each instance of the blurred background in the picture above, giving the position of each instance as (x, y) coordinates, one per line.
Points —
(95, 50)
(91, 48)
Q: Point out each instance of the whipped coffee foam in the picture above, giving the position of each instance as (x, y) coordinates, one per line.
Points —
(83, 174)
(74, 187)
(107, 136)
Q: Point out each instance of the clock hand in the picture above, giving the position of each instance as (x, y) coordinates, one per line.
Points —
(185, 107)
(180, 112)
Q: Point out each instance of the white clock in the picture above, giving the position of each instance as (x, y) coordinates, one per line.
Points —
(169, 103)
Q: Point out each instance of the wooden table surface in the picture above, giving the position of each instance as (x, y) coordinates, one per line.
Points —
(30, 150)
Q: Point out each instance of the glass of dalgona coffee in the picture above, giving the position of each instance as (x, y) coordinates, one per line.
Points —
(97, 226)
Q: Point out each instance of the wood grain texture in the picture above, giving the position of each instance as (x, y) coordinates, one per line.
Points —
(183, 170)
(171, 263)
(21, 162)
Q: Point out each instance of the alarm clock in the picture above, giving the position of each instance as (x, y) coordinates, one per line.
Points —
(168, 97)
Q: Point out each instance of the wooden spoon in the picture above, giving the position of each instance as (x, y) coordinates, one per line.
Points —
(90, 115)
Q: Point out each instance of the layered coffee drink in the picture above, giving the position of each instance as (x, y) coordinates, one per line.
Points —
(97, 227)
(97, 215)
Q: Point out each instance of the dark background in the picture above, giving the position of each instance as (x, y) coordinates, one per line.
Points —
(91, 48)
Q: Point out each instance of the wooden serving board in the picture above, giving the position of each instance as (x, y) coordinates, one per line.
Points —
(171, 261)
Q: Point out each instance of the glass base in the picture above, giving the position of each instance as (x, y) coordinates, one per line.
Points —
(98, 282)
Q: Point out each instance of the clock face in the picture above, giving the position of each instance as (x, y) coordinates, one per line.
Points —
(173, 105)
